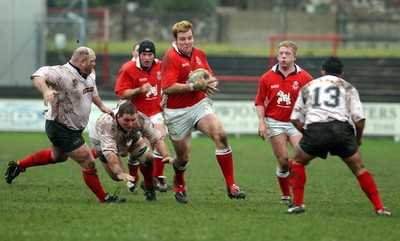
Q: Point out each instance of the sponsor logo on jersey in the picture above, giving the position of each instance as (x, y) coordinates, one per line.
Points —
(153, 90)
(284, 98)
(88, 89)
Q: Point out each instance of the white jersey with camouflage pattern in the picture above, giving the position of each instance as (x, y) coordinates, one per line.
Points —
(73, 104)
(326, 99)
(107, 136)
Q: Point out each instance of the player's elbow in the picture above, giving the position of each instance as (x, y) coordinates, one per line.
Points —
(168, 91)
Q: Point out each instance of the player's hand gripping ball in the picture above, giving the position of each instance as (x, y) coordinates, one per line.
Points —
(195, 75)
(200, 79)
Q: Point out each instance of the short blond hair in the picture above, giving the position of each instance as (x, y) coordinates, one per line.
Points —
(181, 27)
(288, 44)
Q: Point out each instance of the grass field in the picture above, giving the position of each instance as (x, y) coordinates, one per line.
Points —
(53, 203)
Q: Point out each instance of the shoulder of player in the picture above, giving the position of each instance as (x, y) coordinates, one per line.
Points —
(105, 123)
(142, 117)
(106, 118)
(170, 52)
(271, 77)
(169, 56)
(198, 53)
(304, 76)
(347, 85)
(129, 68)
(144, 123)
(156, 65)
(128, 64)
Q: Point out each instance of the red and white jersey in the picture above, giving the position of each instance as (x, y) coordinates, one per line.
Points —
(132, 76)
(326, 99)
(107, 136)
(278, 94)
(175, 68)
(73, 104)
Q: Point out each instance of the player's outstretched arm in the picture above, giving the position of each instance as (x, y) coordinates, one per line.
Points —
(97, 101)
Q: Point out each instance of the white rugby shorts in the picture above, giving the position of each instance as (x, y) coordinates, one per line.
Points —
(275, 127)
(180, 122)
(157, 118)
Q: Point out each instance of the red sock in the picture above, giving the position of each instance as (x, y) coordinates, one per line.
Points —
(94, 152)
(368, 185)
(147, 175)
(284, 184)
(179, 178)
(158, 165)
(39, 158)
(225, 161)
(93, 182)
(290, 167)
(298, 181)
(290, 164)
(134, 170)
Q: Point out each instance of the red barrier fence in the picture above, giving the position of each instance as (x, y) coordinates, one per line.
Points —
(235, 78)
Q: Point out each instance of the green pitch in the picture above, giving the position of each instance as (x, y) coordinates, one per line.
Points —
(53, 203)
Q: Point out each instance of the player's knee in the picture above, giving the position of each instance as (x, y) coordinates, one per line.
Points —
(91, 165)
(62, 158)
(220, 139)
(142, 154)
(180, 164)
(182, 157)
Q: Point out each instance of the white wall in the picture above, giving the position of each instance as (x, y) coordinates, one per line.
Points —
(238, 117)
(19, 40)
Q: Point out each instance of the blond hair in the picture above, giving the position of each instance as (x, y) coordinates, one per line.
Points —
(181, 27)
(288, 44)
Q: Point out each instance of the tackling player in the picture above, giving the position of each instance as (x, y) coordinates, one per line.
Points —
(140, 82)
(114, 137)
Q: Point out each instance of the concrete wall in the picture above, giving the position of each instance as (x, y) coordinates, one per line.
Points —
(254, 27)
(20, 51)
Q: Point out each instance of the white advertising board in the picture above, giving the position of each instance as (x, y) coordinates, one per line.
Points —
(238, 117)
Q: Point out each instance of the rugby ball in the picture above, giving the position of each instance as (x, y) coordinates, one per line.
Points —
(195, 75)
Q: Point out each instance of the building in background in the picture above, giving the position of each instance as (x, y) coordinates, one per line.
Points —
(22, 49)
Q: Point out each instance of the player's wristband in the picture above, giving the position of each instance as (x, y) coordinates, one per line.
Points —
(118, 172)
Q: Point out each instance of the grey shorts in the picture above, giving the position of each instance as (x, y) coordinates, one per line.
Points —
(181, 122)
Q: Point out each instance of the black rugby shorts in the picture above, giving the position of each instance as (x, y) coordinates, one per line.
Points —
(336, 137)
(63, 137)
